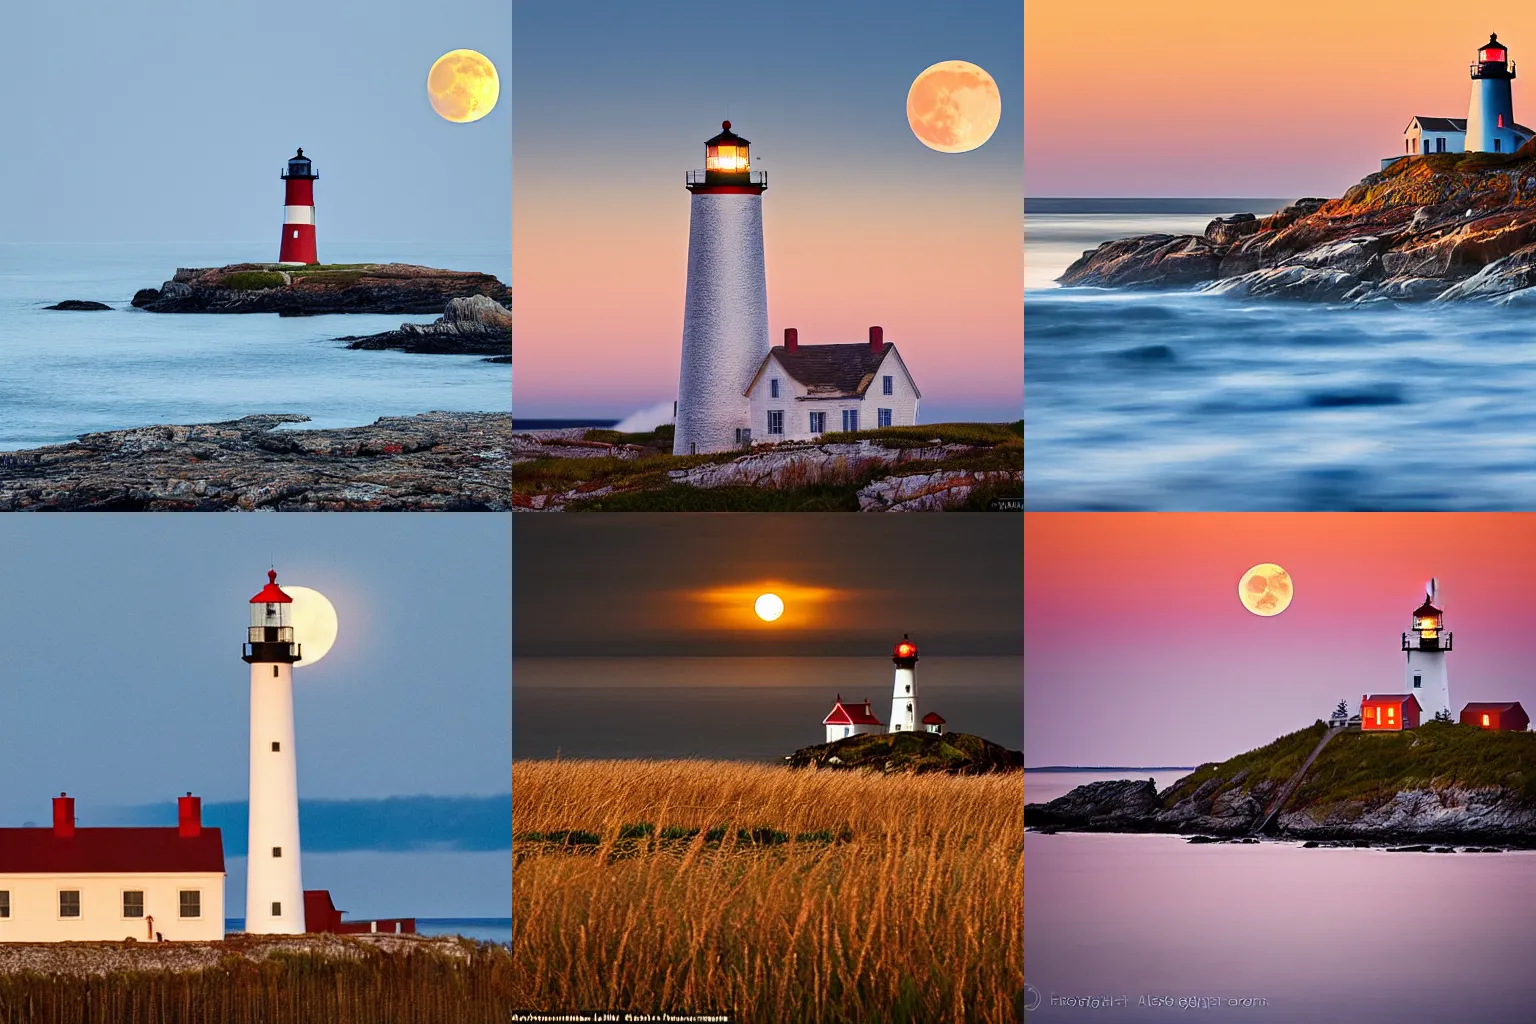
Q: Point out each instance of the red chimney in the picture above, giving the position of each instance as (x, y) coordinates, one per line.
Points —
(189, 815)
(877, 338)
(63, 816)
(791, 340)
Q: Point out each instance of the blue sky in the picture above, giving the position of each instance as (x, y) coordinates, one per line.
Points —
(167, 120)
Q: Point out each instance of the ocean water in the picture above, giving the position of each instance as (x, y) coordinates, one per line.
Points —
(65, 373)
(1274, 932)
(1190, 401)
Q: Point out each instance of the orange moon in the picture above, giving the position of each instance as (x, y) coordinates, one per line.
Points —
(953, 106)
(1265, 589)
(463, 86)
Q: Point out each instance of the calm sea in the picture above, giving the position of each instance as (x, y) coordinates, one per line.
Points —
(741, 709)
(63, 374)
(1271, 931)
(1187, 401)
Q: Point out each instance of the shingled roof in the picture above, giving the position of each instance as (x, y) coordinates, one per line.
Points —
(95, 850)
(831, 371)
(1452, 124)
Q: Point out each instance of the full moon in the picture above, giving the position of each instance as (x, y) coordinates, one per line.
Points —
(953, 106)
(1265, 589)
(768, 607)
(314, 623)
(463, 86)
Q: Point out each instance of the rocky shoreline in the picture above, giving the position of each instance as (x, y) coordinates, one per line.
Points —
(477, 325)
(310, 291)
(1435, 228)
(438, 461)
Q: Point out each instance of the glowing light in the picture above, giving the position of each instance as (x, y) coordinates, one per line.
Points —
(314, 623)
(1266, 589)
(953, 106)
(768, 607)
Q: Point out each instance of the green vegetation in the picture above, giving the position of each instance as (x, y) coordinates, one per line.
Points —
(983, 434)
(952, 752)
(1361, 769)
(252, 280)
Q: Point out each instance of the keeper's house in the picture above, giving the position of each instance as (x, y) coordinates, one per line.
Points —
(803, 391)
(68, 884)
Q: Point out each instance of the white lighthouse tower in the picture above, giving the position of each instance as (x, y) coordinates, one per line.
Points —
(1491, 115)
(725, 314)
(1427, 645)
(274, 893)
(904, 694)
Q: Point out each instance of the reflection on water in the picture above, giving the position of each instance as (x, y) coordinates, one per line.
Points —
(1320, 935)
(1185, 401)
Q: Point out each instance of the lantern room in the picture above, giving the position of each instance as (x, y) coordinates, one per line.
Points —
(1494, 52)
(727, 153)
(1427, 620)
(1493, 60)
(270, 637)
(905, 653)
(299, 167)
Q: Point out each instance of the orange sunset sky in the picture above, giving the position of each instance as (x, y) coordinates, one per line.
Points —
(1263, 99)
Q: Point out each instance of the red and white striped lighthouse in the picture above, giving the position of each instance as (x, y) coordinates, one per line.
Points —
(299, 212)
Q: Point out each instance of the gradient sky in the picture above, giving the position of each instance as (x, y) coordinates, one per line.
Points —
(656, 585)
(1213, 98)
(1139, 652)
(862, 223)
(168, 120)
(634, 634)
(124, 681)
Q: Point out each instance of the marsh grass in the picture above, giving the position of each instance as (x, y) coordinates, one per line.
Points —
(771, 894)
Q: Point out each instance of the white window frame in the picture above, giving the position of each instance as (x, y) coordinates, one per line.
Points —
(850, 420)
(887, 385)
(79, 906)
(123, 905)
(817, 422)
(775, 419)
(884, 417)
(181, 904)
(773, 387)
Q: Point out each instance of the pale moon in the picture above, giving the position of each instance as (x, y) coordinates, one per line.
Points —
(463, 85)
(768, 607)
(1265, 589)
(953, 106)
(314, 623)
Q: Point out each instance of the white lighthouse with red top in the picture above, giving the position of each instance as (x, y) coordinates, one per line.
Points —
(1427, 644)
(298, 211)
(725, 313)
(904, 696)
(274, 893)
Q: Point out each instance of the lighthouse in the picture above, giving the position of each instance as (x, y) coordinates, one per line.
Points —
(298, 211)
(1427, 644)
(1491, 116)
(725, 313)
(904, 693)
(274, 894)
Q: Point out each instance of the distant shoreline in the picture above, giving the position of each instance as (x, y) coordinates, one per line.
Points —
(1148, 205)
(1114, 768)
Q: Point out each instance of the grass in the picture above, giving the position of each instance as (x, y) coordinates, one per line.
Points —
(770, 894)
(252, 280)
(1274, 762)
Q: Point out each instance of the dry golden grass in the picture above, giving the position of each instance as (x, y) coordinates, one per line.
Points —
(918, 917)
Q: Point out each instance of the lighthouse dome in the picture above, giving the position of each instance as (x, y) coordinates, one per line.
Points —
(300, 166)
(1493, 50)
(271, 593)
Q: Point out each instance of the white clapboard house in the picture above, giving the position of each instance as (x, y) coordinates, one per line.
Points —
(803, 391)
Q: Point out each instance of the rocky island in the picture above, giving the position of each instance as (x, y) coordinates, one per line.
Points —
(1437, 227)
(438, 461)
(477, 325)
(953, 753)
(290, 290)
(1441, 783)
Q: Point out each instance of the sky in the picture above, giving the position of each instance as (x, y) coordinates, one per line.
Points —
(1138, 651)
(634, 634)
(863, 225)
(168, 120)
(126, 685)
(1213, 98)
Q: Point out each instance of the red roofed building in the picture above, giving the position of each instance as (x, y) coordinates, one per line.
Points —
(932, 722)
(1508, 716)
(68, 884)
(1389, 711)
(321, 915)
(850, 720)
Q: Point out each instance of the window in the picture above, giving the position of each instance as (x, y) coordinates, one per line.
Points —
(1439, 145)
(1418, 681)
(882, 417)
(1391, 714)
(133, 902)
(1426, 145)
(850, 419)
(277, 909)
(191, 903)
(1485, 720)
(69, 902)
(818, 422)
(909, 687)
(846, 729)
(775, 421)
(5, 903)
(295, 232)
(1498, 145)
(274, 671)
(773, 387)
(887, 385)
(277, 851)
(276, 746)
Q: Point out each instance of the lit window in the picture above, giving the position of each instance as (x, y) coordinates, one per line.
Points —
(295, 232)
(1485, 720)
(191, 903)
(1391, 714)
(775, 421)
(133, 902)
(69, 902)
